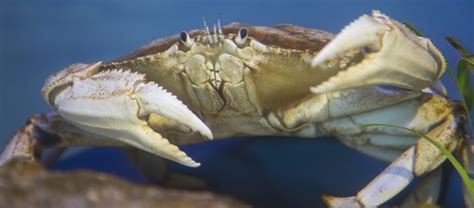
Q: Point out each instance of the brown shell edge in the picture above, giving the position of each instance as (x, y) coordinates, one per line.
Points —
(282, 35)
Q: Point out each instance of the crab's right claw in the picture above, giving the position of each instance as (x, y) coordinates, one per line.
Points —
(394, 56)
(118, 104)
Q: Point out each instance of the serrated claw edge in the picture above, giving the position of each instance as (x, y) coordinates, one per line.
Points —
(155, 99)
(363, 32)
(113, 103)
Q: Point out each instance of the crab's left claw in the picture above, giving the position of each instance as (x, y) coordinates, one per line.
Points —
(394, 56)
(118, 104)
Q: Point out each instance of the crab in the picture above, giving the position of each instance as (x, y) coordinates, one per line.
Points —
(242, 80)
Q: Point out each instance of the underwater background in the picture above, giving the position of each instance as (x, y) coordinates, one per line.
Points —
(38, 38)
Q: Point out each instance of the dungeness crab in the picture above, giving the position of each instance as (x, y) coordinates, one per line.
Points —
(280, 80)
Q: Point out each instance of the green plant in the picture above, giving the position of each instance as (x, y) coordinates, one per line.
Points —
(465, 66)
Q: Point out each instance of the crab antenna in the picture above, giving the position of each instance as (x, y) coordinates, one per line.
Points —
(206, 28)
(206, 31)
(214, 35)
(219, 30)
(207, 35)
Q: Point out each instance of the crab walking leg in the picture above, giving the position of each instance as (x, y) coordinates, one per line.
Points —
(426, 191)
(416, 161)
(117, 104)
(49, 130)
(344, 113)
(20, 145)
(391, 181)
(322, 114)
(386, 185)
(55, 132)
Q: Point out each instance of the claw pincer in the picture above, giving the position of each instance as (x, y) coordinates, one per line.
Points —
(117, 103)
(394, 56)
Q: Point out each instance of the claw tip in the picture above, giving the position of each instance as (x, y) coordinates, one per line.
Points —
(195, 165)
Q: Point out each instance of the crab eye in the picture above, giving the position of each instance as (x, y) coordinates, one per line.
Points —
(186, 40)
(242, 36)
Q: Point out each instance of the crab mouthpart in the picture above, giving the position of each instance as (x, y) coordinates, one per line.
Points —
(394, 56)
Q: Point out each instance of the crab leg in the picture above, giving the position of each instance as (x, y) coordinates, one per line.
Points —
(416, 161)
(55, 132)
(394, 56)
(426, 191)
(117, 104)
(386, 185)
(323, 110)
(343, 114)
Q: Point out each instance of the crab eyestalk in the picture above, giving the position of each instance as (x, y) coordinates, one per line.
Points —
(394, 56)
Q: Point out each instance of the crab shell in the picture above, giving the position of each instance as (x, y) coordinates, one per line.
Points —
(267, 54)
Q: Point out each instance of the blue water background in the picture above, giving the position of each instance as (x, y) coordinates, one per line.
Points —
(38, 38)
